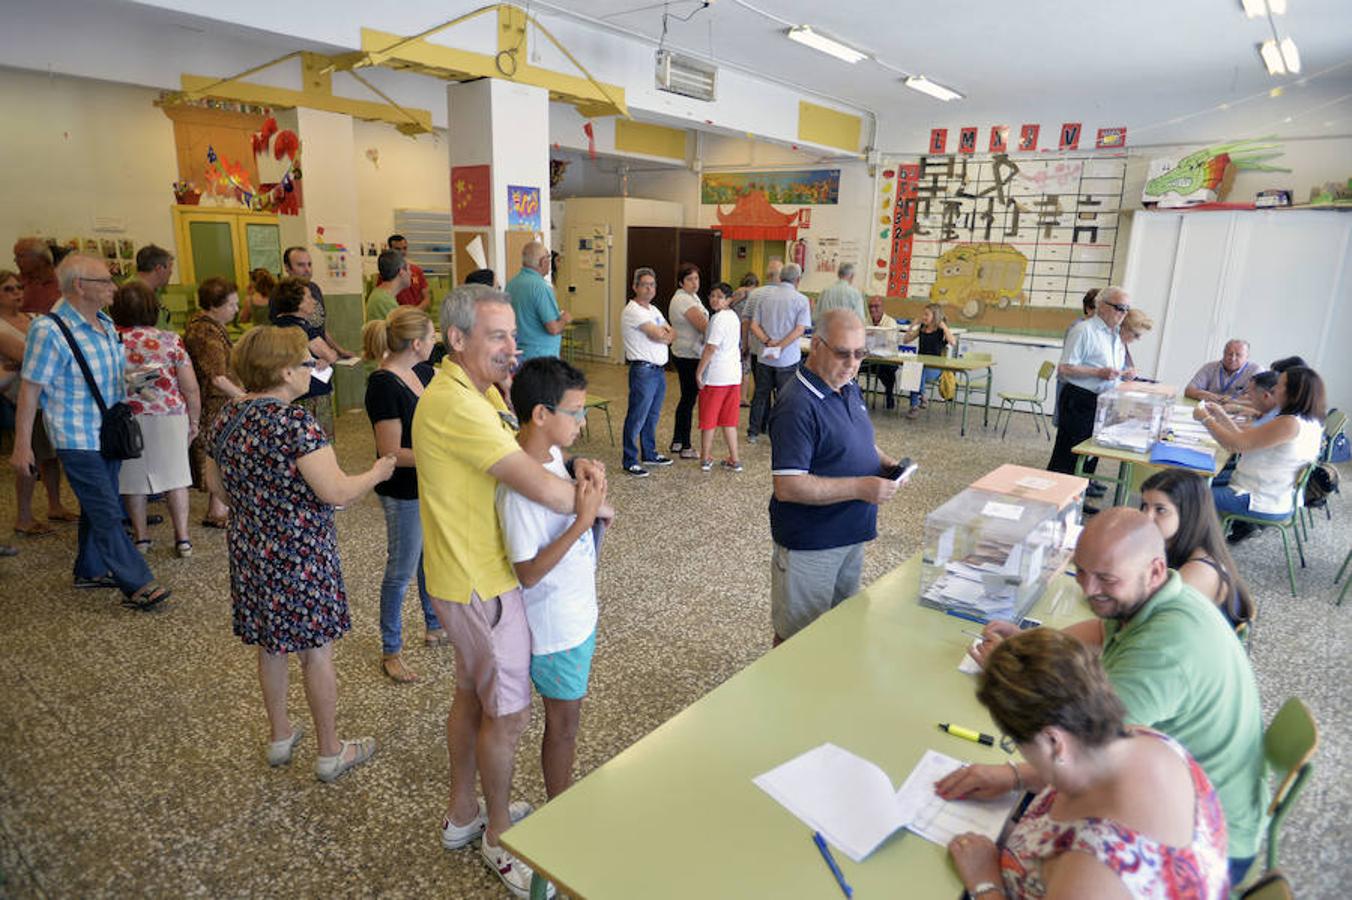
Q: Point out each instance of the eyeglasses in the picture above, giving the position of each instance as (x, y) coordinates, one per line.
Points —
(96, 280)
(309, 363)
(844, 355)
(577, 415)
(1118, 306)
(11, 286)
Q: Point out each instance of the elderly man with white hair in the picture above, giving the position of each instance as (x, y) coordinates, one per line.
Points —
(782, 316)
(841, 295)
(1093, 360)
(1226, 379)
(539, 321)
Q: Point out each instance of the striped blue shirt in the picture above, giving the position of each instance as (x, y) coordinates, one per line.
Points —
(69, 410)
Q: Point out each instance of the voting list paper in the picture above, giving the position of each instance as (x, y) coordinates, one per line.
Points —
(852, 803)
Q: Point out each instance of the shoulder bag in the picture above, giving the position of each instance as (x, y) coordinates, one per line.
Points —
(119, 433)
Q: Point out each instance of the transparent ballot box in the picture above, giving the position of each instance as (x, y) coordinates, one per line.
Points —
(989, 555)
(1131, 419)
(880, 341)
(1065, 492)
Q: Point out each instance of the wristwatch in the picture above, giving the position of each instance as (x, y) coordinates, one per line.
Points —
(985, 887)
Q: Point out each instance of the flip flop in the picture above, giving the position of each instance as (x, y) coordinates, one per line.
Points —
(37, 529)
(63, 516)
(394, 667)
(148, 597)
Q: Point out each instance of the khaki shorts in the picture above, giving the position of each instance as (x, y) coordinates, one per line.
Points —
(806, 583)
(492, 649)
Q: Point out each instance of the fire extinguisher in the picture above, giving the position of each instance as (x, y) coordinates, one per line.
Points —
(800, 254)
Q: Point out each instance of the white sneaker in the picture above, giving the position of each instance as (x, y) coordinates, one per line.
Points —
(453, 836)
(513, 872)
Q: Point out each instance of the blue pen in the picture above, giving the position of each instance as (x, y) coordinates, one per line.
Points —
(970, 617)
(831, 861)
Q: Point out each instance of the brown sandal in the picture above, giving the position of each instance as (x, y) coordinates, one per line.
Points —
(209, 522)
(394, 667)
(37, 529)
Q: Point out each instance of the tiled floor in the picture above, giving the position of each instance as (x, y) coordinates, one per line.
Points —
(132, 743)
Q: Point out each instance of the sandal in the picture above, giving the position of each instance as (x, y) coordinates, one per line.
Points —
(148, 597)
(393, 666)
(98, 583)
(328, 768)
(437, 638)
(143, 546)
(63, 516)
(183, 549)
(36, 529)
(209, 522)
(279, 752)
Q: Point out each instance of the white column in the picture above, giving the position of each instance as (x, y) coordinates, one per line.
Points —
(329, 188)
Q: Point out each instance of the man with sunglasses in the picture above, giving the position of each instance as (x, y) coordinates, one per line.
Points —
(1092, 361)
(829, 477)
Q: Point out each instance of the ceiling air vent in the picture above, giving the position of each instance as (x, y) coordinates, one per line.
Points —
(685, 76)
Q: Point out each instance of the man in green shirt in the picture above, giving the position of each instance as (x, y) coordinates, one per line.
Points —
(1175, 663)
(392, 270)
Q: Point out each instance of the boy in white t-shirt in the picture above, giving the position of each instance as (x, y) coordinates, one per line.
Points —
(555, 556)
(719, 375)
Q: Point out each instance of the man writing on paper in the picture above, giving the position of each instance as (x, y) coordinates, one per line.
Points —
(829, 477)
(1224, 380)
(1172, 659)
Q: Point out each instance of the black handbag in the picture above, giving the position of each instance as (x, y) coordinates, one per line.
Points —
(120, 433)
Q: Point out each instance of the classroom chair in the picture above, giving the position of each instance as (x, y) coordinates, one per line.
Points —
(1289, 744)
(1269, 886)
(1342, 570)
(603, 404)
(1045, 374)
(1290, 523)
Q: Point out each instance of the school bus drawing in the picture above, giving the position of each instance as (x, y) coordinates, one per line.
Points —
(970, 277)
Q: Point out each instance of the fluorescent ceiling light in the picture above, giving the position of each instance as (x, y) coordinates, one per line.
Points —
(1272, 58)
(804, 34)
(1290, 56)
(934, 89)
(1254, 8)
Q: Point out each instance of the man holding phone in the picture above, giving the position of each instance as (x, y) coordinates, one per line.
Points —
(829, 478)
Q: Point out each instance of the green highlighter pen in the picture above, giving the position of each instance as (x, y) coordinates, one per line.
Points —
(968, 734)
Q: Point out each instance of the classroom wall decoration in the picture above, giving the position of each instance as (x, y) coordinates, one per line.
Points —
(471, 201)
(978, 232)
(523, 208)
(819, 187)
(1200, 177)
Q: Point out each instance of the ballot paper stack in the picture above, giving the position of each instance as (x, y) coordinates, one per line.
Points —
(1185, 442)
(1131, 419)
(987, 555)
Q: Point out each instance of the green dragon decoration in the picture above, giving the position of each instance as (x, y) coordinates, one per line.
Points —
(1195, 177)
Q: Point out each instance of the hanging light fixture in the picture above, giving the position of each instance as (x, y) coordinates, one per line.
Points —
(805, 35)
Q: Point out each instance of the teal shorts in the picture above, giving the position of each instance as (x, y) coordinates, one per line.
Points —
(563, 675)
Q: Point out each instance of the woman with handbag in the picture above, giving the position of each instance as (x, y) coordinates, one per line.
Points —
(162, 392)
(273, 462)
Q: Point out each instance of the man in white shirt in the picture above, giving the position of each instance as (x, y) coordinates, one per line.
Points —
(841, 295)
(647, 337)
(1092, 361)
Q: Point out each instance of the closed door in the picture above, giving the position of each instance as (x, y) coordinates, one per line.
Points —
(226, 243)
(213, 250)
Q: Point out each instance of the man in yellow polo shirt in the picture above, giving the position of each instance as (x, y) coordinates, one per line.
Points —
(464, 445)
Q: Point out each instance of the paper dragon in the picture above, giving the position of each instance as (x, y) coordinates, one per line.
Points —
(1197, 177)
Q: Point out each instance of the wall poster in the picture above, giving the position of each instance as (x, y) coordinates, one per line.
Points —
(820, 187)
(972, 231)
(523, 208)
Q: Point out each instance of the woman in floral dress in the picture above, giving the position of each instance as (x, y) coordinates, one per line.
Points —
(208, 346)
(162, 392)
(273, 463)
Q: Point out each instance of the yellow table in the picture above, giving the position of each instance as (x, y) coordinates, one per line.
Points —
(960, 366)
(676, 814)
(1127, 461)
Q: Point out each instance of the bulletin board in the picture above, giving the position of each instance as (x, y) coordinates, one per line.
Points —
(987, 234)
(464, 264)
(516, 241)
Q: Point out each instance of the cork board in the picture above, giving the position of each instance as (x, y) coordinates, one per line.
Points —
(462, 263)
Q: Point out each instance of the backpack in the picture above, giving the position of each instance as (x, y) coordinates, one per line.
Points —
(948, 385)
(1322, 482)
(1339, 449)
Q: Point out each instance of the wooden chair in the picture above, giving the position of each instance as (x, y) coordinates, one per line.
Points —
(1289, 743)
(1290, 523)
(1045, 374)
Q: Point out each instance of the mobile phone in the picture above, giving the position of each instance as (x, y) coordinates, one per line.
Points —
(902, 470)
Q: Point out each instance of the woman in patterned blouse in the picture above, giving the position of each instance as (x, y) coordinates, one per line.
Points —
(208, 346)
(1119, 812)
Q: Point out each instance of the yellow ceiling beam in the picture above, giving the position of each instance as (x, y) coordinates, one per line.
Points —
(315, 95)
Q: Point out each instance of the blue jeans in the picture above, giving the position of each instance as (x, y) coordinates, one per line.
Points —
(1229, 503)
(104, 548)
(403, 558)
(647, 390)
(769, 380)
(926, 376)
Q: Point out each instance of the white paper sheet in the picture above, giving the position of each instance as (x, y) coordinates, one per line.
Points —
(770, 352)
(475, 249)
(938, 820)
(908, 379)
(1033, 483)
(323, 374)
(969, 666)
(997, 510)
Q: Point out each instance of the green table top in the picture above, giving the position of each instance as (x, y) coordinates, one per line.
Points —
(677, 815)
(947, 363)
(1092, 447)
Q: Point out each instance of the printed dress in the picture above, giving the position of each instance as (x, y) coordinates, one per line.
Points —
(1147, 868)
(208, 345)
(286, 585)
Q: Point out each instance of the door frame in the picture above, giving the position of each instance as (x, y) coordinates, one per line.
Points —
(237, 218)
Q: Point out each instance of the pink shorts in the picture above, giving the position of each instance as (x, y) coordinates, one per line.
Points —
(492, 649)
(719, 406)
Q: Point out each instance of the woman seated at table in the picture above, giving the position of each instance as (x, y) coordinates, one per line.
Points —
(1274, 453)
(935, 339)
(1179, 503)
(1119, 812)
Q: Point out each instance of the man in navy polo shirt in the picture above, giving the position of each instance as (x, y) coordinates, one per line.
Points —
(829, 477)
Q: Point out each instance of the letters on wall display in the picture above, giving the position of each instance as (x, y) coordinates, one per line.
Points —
(976, 232)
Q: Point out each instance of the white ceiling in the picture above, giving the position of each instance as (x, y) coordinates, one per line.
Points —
(1146, 61)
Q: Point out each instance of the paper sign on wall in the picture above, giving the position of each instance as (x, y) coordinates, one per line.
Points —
(967, 140)
(470, 196)
(999, 138)
(1070, 136)
(523, 208)
(1111, 137)
(1028, 137)
(938, 140)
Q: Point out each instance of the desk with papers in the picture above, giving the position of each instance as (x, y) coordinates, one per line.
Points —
(678, 813)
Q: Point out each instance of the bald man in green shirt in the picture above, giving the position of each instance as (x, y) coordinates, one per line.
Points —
(1175, 663)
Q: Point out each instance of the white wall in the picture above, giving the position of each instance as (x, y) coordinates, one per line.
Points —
(410, 173)
(77, 152)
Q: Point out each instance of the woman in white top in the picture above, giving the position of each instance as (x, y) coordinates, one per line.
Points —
(688, 317)
(1273, 453)
(719, 376)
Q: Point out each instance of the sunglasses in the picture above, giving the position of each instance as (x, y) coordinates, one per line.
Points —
(844, 355)
(309, 363)
(97, 280)
(577, 415)
(1118, 306)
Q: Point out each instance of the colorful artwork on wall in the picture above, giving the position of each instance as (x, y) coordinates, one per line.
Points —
(816, 187)
(1199, 177)
(1109, 138)
(471, 203)
(1058, 215)
(523, 208)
